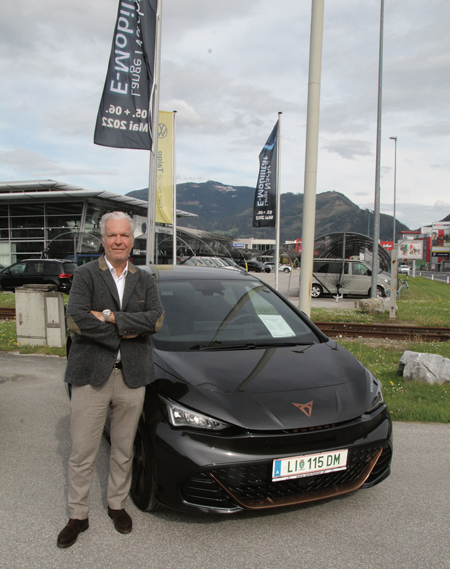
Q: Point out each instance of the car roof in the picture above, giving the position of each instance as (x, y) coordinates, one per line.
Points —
(182, 272)
(45, 261)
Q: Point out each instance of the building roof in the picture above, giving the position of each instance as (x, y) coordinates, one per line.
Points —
(45, 189)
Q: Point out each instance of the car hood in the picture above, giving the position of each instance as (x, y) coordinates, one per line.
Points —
(268, 389)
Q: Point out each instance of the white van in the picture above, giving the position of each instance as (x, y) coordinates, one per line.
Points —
(332, 276)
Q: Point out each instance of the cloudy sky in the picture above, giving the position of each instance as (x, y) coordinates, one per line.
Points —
(228, 67)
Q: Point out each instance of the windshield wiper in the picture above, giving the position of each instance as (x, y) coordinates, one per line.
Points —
(247, 346)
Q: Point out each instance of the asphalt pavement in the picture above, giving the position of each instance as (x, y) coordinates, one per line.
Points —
(434, 275)
(403, 522)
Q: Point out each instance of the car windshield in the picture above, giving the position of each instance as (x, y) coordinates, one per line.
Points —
(219, 314)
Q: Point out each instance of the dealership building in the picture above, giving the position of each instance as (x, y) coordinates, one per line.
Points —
(57, 220)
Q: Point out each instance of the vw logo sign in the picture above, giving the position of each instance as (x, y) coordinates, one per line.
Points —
(162, 130)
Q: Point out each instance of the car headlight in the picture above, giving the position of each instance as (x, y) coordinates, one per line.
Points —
(376, 392)
(180, 416)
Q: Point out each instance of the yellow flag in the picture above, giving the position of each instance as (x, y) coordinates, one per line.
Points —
(164, 177)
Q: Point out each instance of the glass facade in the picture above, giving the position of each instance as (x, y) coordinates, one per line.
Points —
(58, 228)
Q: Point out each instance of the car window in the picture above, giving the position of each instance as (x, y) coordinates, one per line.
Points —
(321, 267)
(204, 312)
(17, 269)
(335, 268)
(360, 269)
(51, 269)
(34, 268)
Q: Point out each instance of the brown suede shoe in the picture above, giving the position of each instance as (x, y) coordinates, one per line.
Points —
(69, 534)
(122, 521)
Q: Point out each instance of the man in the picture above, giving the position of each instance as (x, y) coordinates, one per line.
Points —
(113, 308)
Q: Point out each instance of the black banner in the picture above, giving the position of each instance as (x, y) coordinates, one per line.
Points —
(123, 119)
(264, 207)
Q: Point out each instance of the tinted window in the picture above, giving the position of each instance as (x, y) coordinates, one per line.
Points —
(34, 268)
(333, 267)
(51, 268)
(206, 312)
(17, 269)
(321, 267)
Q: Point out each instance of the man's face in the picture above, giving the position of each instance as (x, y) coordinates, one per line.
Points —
(118, 240)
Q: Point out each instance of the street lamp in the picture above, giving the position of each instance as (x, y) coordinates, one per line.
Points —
(376, 207)
(369, 211)
(395, 180)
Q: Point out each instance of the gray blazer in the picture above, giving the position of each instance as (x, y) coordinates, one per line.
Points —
(96, 344)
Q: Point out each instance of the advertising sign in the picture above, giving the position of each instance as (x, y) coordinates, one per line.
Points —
(164, 177)
(123, 115)
(264, 206)
(410, 249)
(388, 245)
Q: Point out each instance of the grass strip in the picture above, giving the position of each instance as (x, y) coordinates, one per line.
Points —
(425, 303)
(407, 401)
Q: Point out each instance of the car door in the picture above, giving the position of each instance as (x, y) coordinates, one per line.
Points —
(361, 279)
(338, 277)
(34, 272)
(323, 276)
(13, 276)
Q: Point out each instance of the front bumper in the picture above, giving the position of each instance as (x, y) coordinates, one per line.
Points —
(212, 473)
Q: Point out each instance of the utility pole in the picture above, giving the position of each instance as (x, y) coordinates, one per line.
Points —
(376, 228)
(311, 154)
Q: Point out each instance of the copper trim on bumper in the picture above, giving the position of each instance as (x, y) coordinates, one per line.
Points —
(308, 497)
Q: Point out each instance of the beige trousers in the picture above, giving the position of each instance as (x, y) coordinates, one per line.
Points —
(89, 409)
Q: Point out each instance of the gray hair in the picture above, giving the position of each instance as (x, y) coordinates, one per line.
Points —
(116, 215)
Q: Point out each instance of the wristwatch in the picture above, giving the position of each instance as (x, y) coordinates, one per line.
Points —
(106, 313)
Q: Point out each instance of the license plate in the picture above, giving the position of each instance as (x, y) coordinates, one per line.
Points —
(309, 465)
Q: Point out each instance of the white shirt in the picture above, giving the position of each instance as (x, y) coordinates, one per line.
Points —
(120, 284)
(120, 281)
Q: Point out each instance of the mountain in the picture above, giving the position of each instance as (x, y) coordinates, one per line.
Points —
(228, 210)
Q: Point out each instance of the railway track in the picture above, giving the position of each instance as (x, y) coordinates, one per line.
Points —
(347, 329)
(7, 313)
(390, 331)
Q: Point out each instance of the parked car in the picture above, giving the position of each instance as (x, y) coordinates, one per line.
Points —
(252, 406)
(38, 271)
(348, 276)
(403, 269)
(230, 263)
(282, 268)
(217, 262)
(254, 266)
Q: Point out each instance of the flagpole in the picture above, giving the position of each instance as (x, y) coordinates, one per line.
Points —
(151, 212)
(311, 155)
(174, 189)
(277, 237)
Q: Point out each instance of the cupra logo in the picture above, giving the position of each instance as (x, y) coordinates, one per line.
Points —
(306, 407)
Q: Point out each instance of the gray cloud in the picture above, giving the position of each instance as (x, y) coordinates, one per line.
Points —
(350, 149)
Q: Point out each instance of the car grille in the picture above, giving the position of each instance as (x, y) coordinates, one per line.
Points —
(383, 464)
(251, 484)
